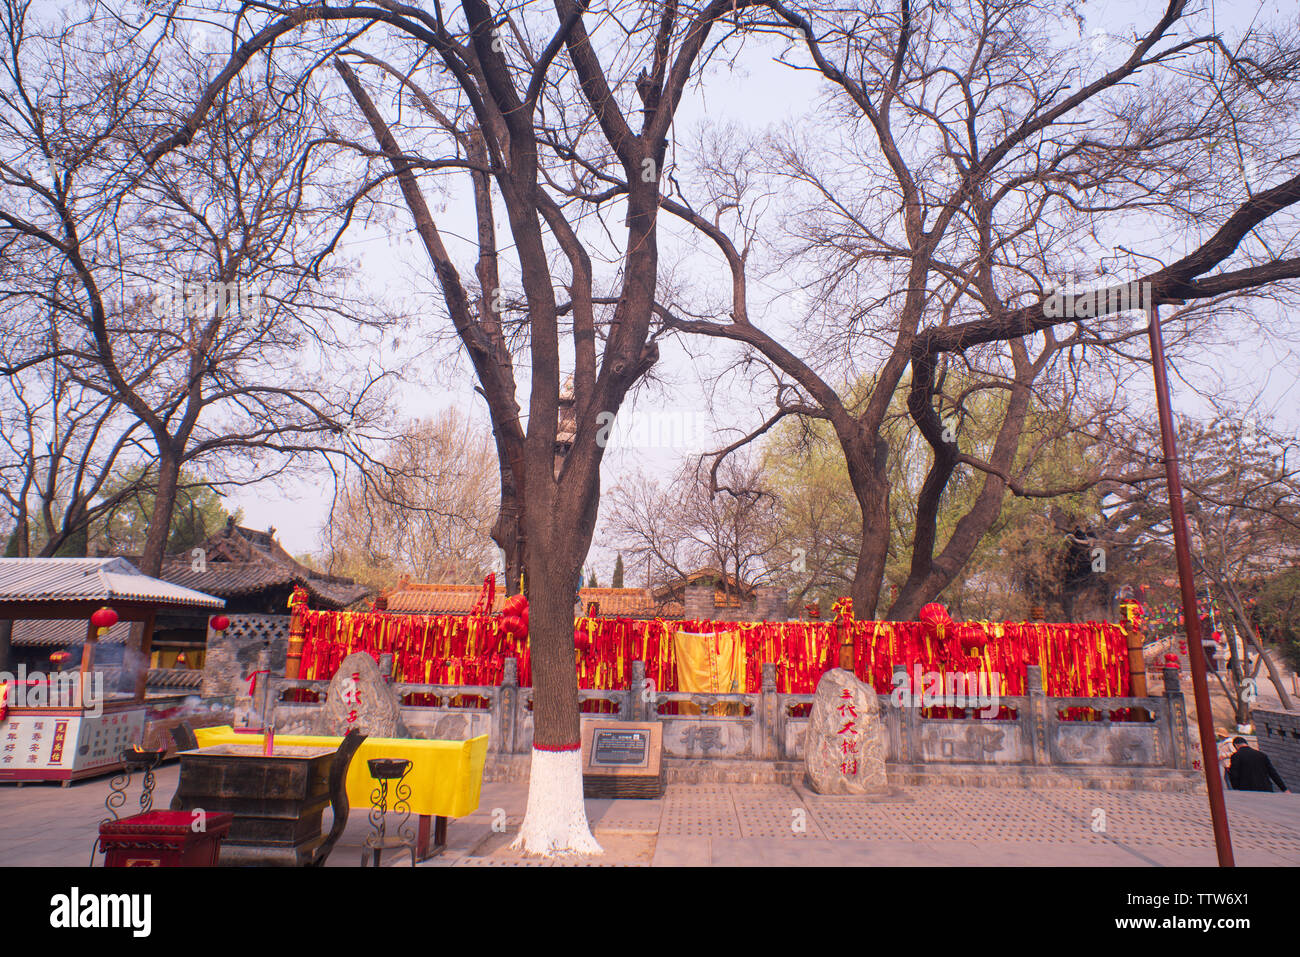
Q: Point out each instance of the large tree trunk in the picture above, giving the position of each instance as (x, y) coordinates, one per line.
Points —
(507, 531)
(16, 547)
(555, 821)
(869, 575)
(1248, 630)
(868, 469)
(135, 657)
(160, 521)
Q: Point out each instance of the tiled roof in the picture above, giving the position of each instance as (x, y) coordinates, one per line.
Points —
(92, 579)
(621, 602)
(231, 579)
(160, 678)
(61, 634)
(243, 561)
(175, 678)
(265, 564)
(746, 590)
(438, 599)
(429, 599)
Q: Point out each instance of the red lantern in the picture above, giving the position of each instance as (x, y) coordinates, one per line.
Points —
(938, 623)
(935, 613)
(971, 635)
(514, 616)
(219, 623)
(104, 619)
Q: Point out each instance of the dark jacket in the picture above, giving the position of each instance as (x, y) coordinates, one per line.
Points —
(1250, 770)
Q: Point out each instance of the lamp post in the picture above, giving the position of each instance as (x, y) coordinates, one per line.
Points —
(1187, 585)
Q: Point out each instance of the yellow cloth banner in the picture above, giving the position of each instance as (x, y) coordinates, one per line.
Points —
(710, 663)
(445, 777)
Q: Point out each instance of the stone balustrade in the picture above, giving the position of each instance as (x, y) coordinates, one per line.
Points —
(766, 725)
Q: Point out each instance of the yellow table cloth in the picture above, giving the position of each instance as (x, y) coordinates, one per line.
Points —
(710, 663)
(445, 777)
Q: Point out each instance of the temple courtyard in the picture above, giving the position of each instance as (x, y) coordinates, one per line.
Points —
(769, 825)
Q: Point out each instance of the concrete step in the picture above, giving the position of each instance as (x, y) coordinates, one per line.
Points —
(791, 773)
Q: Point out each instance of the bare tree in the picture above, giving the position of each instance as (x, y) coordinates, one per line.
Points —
(191, 291)
(1241, 482)
(429, 515)
(980, 156)
(543, 125)
(60, 445)
(692, 523)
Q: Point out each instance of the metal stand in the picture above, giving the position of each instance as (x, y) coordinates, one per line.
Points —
(389, 772)
(132, 760)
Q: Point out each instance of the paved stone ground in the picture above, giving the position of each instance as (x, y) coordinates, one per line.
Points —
(740, 824)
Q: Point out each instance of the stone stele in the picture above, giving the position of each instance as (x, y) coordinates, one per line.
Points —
(358, 697)
(844, 752)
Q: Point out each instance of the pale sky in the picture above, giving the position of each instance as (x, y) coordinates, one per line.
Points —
(756, 95)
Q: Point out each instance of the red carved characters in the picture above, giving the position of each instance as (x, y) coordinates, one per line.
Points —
(848, 734)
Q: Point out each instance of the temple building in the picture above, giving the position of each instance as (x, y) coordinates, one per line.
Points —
(246, 567)
(703, 594)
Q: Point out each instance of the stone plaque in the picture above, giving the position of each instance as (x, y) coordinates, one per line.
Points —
(844, 752)
(358, 697)
(610, 748)
(622, 758)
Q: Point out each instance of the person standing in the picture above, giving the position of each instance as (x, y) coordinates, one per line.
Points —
(1251, 770)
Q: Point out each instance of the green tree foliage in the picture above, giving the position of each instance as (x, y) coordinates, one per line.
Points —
(1027, 556)
(618, 571)
(1277, 610)
(199, 513)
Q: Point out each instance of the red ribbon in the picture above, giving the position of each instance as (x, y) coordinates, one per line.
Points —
(1077, 660)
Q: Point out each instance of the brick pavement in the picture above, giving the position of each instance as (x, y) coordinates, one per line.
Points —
(737, 824)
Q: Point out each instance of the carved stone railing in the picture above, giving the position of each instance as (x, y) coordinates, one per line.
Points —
(764, 726)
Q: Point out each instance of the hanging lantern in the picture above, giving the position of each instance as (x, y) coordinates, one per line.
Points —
(514, 616)
(104, 619)
(219, 623)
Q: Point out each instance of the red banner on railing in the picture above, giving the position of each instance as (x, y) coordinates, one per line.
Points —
(1077, 660)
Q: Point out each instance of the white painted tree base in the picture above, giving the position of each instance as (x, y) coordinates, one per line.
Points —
(556, 819)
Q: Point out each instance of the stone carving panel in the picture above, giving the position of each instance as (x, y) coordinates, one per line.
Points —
(845, 746)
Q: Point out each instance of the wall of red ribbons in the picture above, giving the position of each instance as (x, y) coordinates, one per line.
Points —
(1077, 660)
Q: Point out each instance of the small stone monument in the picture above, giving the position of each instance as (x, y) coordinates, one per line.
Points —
(358, 697)
(844, 752)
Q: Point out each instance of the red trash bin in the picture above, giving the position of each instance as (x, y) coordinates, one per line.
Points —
(164, 839)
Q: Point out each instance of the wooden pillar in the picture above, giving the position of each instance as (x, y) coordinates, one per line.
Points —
(1137, 666)
(846, 654)
(297, 633)
(88, 649)
(146, 649)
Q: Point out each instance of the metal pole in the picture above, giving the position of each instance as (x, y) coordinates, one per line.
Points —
(1187, 584)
